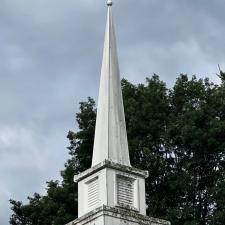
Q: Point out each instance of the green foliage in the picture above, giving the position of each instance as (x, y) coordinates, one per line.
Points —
(197, 136)
(221, 75)
(147, 109)
(177, 134)
(56, 207)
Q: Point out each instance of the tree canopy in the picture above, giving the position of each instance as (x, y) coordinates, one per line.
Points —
(177, 134)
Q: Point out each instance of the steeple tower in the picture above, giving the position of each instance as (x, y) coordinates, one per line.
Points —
(110, 133)
(111, 192)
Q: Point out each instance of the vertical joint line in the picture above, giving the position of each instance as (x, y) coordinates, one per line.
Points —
(109, 74)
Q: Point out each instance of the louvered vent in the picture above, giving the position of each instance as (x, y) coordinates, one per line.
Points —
(125, 191)
(93, 192)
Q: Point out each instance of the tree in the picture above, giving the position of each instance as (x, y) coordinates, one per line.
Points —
(177, 134)
(196, 132)
(146, 110)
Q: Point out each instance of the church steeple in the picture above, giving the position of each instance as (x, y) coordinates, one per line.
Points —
(111, 191)
(110, 134)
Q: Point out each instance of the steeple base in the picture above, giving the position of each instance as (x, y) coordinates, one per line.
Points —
(111, 184)
(106, 215)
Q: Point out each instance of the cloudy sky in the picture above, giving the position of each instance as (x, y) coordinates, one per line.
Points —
(50, 58)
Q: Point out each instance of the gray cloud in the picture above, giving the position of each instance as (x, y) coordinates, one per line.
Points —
(50, 58)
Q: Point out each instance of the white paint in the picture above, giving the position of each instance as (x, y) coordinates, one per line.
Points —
(101, 201)
(110, 142)
(107, 178)
(110, 133)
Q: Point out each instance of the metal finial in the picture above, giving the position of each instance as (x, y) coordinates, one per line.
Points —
(109, 3)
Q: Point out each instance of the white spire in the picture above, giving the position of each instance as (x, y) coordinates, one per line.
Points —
(110, 133)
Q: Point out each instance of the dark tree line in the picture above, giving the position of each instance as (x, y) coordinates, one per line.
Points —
(177, 134)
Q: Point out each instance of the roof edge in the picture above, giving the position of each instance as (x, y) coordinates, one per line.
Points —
(112, 165)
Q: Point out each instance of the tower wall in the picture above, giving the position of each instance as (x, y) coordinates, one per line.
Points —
(112, 185)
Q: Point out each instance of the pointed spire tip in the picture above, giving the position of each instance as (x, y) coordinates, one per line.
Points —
(109, 3)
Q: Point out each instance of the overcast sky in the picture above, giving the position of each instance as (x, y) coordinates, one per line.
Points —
(50, 59)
